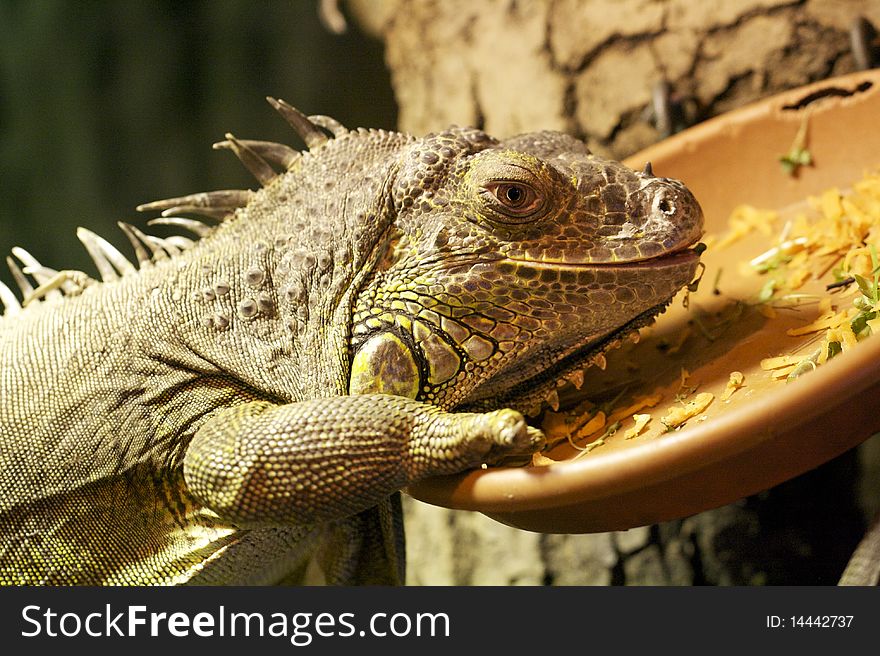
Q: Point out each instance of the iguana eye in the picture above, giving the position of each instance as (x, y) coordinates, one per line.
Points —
(514, 199)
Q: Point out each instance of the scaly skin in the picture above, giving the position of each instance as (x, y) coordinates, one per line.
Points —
(382, 310)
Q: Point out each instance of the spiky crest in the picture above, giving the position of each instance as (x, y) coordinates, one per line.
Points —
(252, 161)
(308, 131)
(270, 151)
(264, 159)
(330, 124)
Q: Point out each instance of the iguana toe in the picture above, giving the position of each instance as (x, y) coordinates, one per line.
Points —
(511, 435)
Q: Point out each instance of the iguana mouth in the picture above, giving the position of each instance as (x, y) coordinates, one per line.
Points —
(691, 250)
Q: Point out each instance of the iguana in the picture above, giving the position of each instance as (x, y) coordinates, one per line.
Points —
(382, 309)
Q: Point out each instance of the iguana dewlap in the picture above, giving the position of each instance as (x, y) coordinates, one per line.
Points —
(383, 309)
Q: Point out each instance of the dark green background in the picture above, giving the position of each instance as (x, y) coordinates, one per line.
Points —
(105, 104)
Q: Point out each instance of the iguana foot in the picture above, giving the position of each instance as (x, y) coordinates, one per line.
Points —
(502, 434)
(260, 464)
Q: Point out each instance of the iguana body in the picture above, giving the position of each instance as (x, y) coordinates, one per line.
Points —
(381, 310)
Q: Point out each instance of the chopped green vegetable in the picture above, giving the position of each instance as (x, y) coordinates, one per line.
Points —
(833, 349)
(609, 431)
(774, 262)
(860, 323)
(799, 155)
(795, 158)
(767, 291)
(868, 289)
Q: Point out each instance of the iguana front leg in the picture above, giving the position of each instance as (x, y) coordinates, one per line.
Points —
(262, 464)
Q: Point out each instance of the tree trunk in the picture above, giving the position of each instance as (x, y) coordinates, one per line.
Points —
(590, 67)
(597, 69)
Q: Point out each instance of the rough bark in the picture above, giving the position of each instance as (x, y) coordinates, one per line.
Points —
(590, 67)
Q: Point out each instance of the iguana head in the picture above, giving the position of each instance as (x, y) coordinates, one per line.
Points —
(514, 263)
(508, 266)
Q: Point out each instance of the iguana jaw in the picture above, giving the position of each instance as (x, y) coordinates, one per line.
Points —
(530, 395)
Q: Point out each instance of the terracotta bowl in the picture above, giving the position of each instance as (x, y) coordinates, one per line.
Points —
(768, 431)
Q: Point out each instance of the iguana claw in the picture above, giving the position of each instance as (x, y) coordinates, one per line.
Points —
(510, 435)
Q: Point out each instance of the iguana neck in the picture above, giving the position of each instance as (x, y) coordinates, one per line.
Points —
(270, 292)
